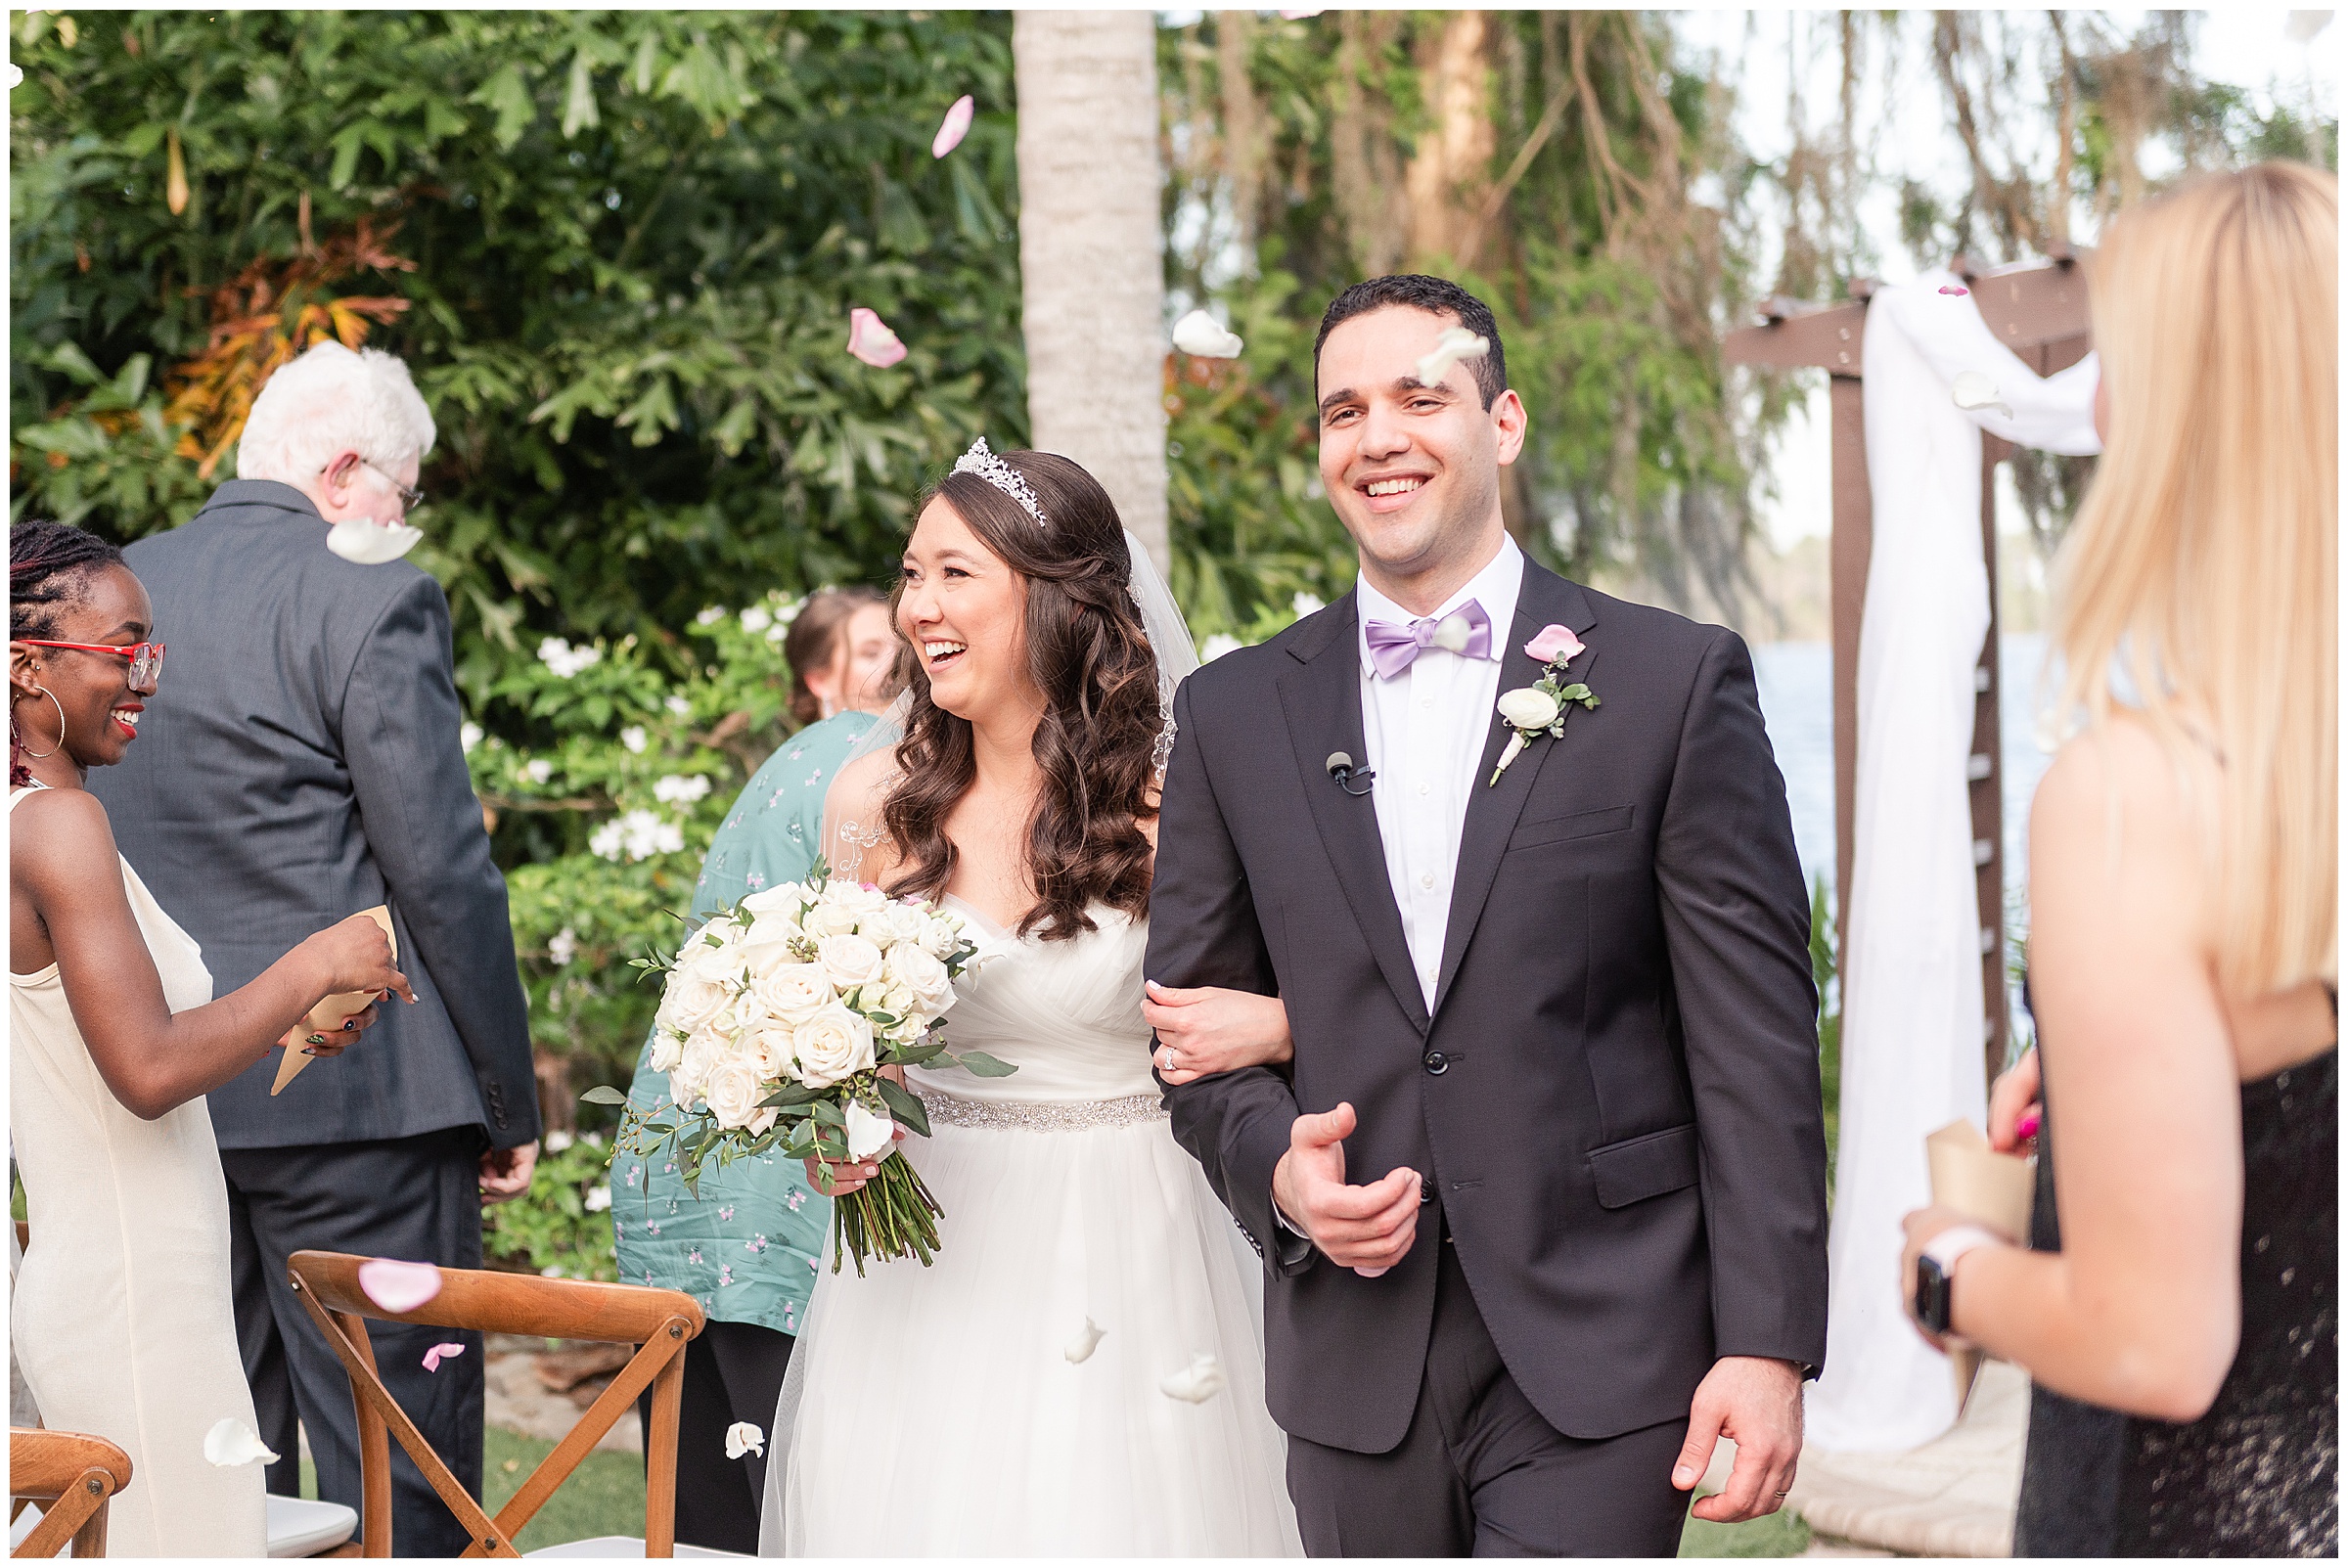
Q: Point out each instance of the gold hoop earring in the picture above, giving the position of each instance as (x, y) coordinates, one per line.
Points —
(60, 727)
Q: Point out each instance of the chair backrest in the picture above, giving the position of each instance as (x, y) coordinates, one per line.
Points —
(73, 1477)
(658, 1322)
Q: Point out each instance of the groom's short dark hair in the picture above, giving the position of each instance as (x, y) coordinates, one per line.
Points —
(1438, 297)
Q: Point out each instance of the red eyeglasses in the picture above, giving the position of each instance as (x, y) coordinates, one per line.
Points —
(145, 658)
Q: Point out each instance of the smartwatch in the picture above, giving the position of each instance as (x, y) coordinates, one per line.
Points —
(1936, 1273)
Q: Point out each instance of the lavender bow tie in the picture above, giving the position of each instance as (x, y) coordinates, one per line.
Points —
(1465, 631)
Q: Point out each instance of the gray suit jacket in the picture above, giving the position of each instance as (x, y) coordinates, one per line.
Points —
(300, 763)
(1613, 1102)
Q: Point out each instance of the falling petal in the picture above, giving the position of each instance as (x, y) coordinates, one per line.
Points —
(1297, 15)
(957, 126)
(15, 75)
(743, 1437)
(1973, 391)
(871, 341)
(231, 1443)
(1202, 336)
(1197, 1383)
(1456, 343)
(397, 1286)
(371, 544)
(433, 1357)
(1946, 289)
(1080, 1349)
(176, 174)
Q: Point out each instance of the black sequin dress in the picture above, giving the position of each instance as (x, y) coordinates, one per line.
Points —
(2258, 1475)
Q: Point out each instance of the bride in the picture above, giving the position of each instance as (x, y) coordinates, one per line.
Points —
(1081, 1371)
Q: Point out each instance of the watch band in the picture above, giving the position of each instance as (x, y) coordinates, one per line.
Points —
(1956, 1241)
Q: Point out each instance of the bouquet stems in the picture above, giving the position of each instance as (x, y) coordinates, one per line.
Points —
(892, 1216)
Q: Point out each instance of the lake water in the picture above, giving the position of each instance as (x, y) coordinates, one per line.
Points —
(1797, 702)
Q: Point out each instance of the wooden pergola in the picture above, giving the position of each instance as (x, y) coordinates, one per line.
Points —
(2041, 314)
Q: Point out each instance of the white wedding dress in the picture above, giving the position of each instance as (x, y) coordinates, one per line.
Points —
(943, 1410)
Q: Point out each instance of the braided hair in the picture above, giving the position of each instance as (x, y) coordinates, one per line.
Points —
(47, 563)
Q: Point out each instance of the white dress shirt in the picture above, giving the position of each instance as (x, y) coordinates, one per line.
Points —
(1424, 732)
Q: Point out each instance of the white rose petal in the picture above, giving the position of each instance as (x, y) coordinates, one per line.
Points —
(770, 1050)
(743, 1437)
(690, 1002)
(1974, 391)
(1528, 707)
(1202, 336)
(831, 1045)
(231, 1443)
(830, 919)
(1080, 1349)
(1456, 343)
(667, 1050)
(868, 1133)
(849, 960)
(1197, 1383)
(371, 544)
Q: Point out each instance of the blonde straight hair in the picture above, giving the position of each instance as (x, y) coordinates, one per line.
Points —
(2204, 561)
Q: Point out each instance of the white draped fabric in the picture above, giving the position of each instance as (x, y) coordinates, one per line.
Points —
(1912, 1002)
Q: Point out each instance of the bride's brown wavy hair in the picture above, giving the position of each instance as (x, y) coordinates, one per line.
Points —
(1095, 746)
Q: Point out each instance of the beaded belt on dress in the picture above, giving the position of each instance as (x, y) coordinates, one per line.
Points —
(1041, 1115)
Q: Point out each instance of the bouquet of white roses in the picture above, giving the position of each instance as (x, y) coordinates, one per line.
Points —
(776, 1021)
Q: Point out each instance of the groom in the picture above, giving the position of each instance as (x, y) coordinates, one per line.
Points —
(1542, 1197)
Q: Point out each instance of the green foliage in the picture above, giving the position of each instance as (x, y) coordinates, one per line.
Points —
(1825, 972)
(638, 235)
(562, 1227)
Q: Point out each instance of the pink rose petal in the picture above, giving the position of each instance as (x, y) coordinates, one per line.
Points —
(871, 341)
(433, 1357)
(397, 1286)
(1946, 289)
(957, 126)
(1553, 643)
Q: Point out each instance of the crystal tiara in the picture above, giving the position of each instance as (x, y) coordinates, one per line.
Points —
(1002, 476)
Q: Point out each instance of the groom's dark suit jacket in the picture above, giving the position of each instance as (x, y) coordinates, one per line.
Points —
(1616, 1100)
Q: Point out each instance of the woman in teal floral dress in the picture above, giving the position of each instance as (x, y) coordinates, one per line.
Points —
(746, 1247)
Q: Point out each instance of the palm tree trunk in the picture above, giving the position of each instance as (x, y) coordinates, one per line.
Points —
(1092, 279)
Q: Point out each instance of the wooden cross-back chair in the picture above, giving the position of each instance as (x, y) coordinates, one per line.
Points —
(659, 1321)
(72, 1477)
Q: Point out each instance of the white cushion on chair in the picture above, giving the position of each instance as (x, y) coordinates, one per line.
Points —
(300, 1526)
(625, 1547)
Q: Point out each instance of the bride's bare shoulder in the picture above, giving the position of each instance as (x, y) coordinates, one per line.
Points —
(864, 783)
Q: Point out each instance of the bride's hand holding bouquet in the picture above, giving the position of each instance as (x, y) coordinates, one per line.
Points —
(777, 1021)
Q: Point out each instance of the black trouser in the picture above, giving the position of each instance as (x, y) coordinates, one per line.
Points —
(733, 1372)
(417, 1198)
(1481, 1473)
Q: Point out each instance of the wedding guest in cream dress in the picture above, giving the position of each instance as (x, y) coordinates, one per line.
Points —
(121, 1320)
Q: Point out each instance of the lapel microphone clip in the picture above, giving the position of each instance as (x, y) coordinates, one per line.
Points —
(1340, 768)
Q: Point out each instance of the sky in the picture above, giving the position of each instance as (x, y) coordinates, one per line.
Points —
(2249, 47)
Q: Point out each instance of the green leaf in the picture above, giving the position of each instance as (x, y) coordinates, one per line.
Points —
(605, 1095)
(905, 1107)
(578, 106)
(793, 1095)
(979, 1065)
(509, 98)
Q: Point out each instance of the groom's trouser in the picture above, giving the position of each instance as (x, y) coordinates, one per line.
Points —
(1481, 1473)
(418, 1198)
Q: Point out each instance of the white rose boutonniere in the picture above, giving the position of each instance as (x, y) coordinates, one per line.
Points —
(1540, 708)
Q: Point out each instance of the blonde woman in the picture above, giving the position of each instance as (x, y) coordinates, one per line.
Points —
(2181, 1324)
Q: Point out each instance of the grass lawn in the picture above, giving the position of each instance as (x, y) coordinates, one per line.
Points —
(603, 1496)
(1779, 1535)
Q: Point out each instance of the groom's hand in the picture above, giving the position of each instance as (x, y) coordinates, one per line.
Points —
(1757, 1403)
(1366, 1229)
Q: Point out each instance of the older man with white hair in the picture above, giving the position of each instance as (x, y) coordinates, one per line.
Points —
(301, 763)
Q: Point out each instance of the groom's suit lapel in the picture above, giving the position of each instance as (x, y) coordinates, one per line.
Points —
(1321, 699)
(1545, 598)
